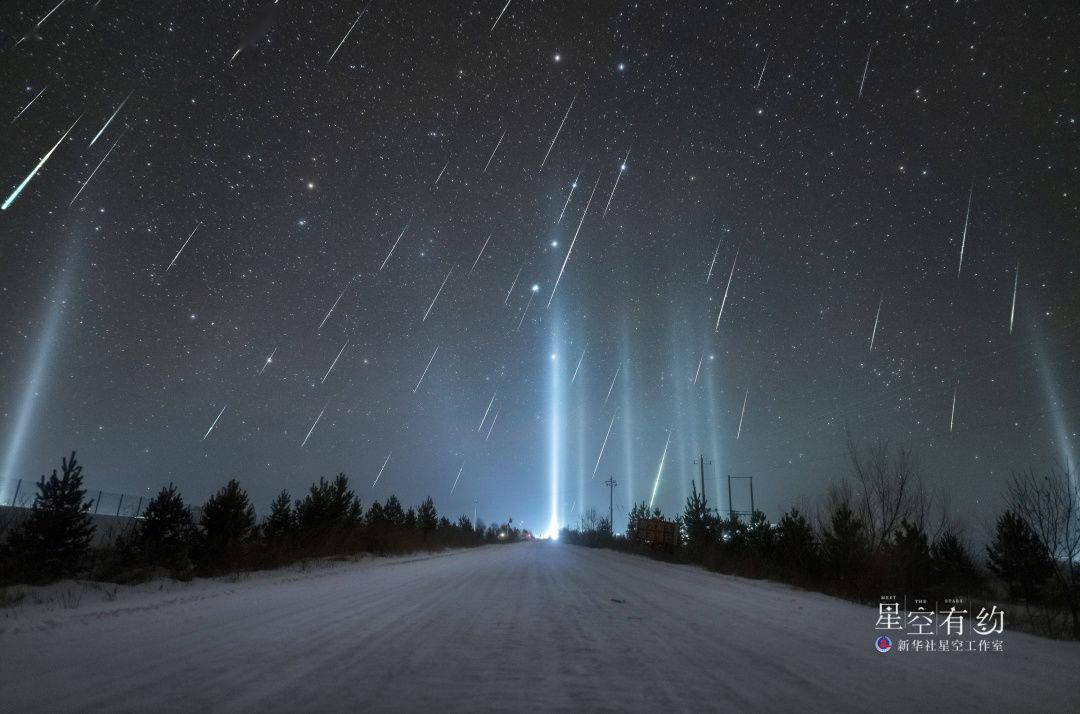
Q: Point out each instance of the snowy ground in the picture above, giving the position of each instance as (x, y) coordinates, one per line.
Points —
(537, 626)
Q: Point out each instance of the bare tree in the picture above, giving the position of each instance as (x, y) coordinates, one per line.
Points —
(887, 490)
(1051, 506)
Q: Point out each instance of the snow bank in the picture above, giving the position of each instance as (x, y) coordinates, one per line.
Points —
(538, 626)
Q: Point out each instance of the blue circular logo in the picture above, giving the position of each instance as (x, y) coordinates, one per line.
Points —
(883, 644)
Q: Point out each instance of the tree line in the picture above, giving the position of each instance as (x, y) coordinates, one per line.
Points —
(876, 535)
(54, 540)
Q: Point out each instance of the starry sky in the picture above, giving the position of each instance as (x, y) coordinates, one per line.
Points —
(500, 254)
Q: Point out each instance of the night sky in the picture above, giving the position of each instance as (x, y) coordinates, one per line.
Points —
(833, 177)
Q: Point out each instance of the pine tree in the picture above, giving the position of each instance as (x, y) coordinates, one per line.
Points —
(910, 550)
(410, 519)
(952, 566)
(393, 511)
(376, 516)
(279, 524)
(427, 518)
(698, 523)
(228, 520)
(53, 540)
(796, 544)
(327, 506)
(465, 525)
(166, 531)
(844, 547)
(760, 536)
(635, 523)
(1019, 558)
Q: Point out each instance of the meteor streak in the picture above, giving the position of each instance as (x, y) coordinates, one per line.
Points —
(557, 132)
(91, 176)
(508, 292)
(332, 54)
(579, 363)
(1012, 312)
(438, 293)
(568, 197)
(313, 425)
(480, 254)
(727, 289)
(440, 174)
(18, 189)
(215, 422)
(532, 294)
(497, 412)
(622, 168)
(698, 372)
(713, 263)
(663, 457)
(331, 310)
(21, 111)
(873, 333)
(500, 15)
(173, 261)
(963, 238)
(742, 414)
(426, 369)
(42, 20)
(484, 418)
(604, 445)
(617, 370)
(334, 362)
(458, 478)
(109, 121)
(571, 249)
(394, 246)
(762, 75)
(864, 69)
(495, 151)
(379, 476)
(268, 361)
(952, 414)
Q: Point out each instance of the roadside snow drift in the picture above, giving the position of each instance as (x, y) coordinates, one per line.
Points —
(535, 626)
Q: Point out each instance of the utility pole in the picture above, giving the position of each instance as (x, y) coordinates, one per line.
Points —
(611, 483)
(731, 506)
(474, 503)
(701, 463)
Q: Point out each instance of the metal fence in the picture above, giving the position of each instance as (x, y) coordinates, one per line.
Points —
(105, 503)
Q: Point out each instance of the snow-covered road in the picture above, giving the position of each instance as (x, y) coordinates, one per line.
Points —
(535, 626)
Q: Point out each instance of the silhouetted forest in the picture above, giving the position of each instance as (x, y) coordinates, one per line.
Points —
(877, 534)
(54, 540)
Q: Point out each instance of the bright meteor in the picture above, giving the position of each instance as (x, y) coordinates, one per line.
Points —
(18, 189)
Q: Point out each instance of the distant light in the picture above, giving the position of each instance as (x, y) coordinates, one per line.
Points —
(554, 356)
(554, 535)
(310, 185)
(536, 288)
(622, 66)
(622, 167)
(554, 244)
(558, 57)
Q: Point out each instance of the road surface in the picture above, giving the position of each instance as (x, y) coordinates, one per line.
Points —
(534, 626)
